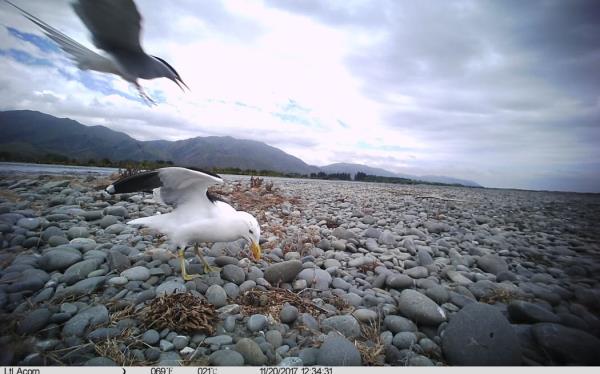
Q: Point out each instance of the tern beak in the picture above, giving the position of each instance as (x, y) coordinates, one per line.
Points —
(256, 251)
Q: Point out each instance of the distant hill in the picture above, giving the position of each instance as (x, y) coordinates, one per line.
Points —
(33, 134)
(355, 168)
(352, 169)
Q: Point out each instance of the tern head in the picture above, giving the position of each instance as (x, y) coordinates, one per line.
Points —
(167, 71)
(252, 234)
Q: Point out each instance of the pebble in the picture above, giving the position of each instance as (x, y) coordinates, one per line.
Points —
(256, 322)
(345, 324)
(251, 352)
(138, 273)
(283, 272)
(216, 295)
(288, 314)
(338, 351)
(151, 337)
(420, 308)
(226, 358)
(233, 273)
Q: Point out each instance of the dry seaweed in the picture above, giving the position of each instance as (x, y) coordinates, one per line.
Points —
(272, 301)
(181, 312)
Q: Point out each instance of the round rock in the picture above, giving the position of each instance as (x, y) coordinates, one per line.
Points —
(338, 351)
(283, 272)
(490, 338)
(420, 308)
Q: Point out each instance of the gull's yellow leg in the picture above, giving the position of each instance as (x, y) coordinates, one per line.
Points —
(184, 274)
(207, 267)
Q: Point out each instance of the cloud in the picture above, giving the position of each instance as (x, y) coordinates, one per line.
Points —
(501, 92)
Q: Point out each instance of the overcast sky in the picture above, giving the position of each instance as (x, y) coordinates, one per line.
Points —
(505, 93)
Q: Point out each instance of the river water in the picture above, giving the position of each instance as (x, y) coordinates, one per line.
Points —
(20, 167)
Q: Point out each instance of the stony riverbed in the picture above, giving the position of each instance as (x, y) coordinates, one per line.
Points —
(353, 274)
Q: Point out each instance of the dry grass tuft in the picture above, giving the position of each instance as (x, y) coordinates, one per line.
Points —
(370, 345)
(500, 296)
(112, 348)
(180, 312)
(271, 302)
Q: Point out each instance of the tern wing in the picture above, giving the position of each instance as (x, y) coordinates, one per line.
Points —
(85, 58)
(115, 24)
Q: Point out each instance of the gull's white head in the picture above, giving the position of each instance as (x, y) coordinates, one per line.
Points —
(252, 233)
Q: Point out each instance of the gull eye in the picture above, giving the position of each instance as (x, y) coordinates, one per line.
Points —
(251, 232)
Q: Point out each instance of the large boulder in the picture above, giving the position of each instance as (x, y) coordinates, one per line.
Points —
(479, 335)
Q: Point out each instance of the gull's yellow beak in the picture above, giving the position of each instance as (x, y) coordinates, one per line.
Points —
(256, 251)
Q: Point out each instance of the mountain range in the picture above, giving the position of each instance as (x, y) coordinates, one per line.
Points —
(30, 134)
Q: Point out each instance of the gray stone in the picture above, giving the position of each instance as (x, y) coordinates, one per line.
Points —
(256, 322)
(365, 315)
(226, 357)
(309, 356)
(180, 341)
(490, 338)
(399, 281)
(118, 261)
(372, 232)
(151, 337)
(92, 316)
(34, 321)
(288, 314)
(493, 264)
(104, 333)
(115, 229)
(417, 272)
(525, 312)
(100, 361)
(77, 232)
(29, 280)
(567, 346)
(398, 324)
(152, 354)
(404, 340)
(59, 258)
(83, 244)
(29, 223)
(83, 287)
(170, 287)
(170, 358)
(138, 273)
(251, 352)
(420, 308)
(274, 337)
(216, 295)
(80, 270)
(166, 345)
(342, 233)
(439, 294)
(345, 324)
(108, 221)
(283, 272)
(219, 339)
(57, 240)
(115, 210)
(317, 278)
(424, 258)
(92, 215)
(233, 273)
(387, 238)
(118, 281)
(291, 361)
(338, 351)
(341, 284)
